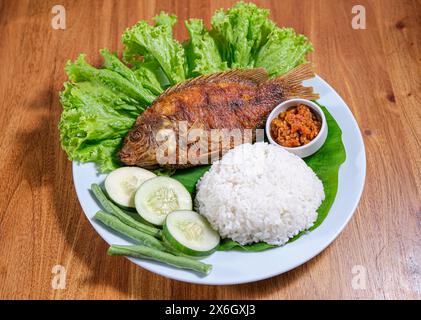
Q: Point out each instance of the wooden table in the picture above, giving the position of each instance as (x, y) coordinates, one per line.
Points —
(376, 71)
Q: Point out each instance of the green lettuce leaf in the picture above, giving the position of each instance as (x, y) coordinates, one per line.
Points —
(248, 39)
(202, 51)
(113, 63)
(151, 76)
(283, 51)
(165, 19)
(99, 107)
(240, 32)
(80, 70)
(325, 163)
(156, 43)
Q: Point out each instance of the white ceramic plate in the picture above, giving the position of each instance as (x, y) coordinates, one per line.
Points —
(234, 267)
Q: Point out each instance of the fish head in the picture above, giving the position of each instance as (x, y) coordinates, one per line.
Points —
(143, 143)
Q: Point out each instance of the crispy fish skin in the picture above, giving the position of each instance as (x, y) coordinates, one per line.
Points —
(236, 99)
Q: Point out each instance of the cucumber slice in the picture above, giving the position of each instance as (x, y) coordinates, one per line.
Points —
(159, 196)
(190, 233)
(122, 183)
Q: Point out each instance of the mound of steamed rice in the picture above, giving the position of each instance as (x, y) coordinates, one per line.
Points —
(259, 192)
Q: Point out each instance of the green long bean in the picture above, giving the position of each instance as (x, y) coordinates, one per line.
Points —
(120, 214)
(153, 254)
(117, 225)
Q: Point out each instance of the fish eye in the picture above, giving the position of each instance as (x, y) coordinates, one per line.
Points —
(135, 136)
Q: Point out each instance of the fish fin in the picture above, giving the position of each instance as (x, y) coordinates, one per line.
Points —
(291, 82)
(257, 75)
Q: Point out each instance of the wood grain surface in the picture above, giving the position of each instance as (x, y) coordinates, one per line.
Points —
(376, 71)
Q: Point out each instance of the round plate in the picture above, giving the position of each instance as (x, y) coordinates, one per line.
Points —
(233, 267)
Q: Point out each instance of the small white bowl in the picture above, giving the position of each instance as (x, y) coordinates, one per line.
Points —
(316, 143)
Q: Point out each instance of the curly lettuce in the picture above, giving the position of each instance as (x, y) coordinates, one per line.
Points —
(151, 76)
(99, 107)
(283, 51)
(156, 43)
(202, 50)
(240, 32)
(243, 37)
(80, 71)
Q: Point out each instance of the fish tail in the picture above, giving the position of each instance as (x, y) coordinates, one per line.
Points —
(291, 83)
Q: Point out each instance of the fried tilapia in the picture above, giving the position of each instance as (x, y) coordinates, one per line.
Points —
(231, 100)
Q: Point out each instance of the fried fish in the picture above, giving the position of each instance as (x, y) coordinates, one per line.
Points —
(232, 100)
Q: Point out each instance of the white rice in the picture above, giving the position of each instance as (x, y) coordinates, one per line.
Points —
(259, 192)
